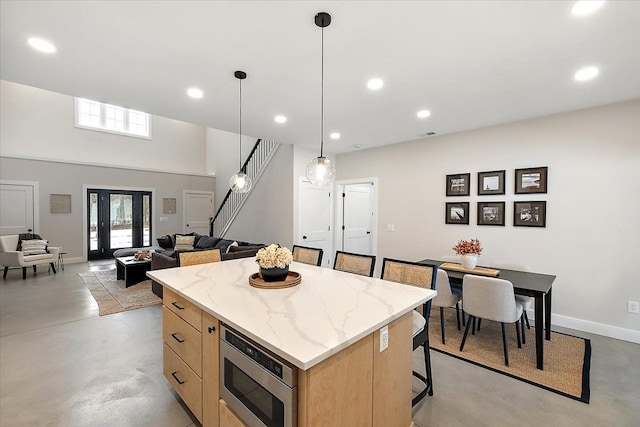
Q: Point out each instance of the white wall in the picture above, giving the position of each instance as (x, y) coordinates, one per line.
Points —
(223, 149)
(39, 124)
(590, 242)
(266, 217)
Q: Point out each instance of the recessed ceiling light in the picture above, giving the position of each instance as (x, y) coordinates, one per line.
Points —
(375, 84)
(586, 7)
(194, 92)
(357, 146)
(423, 114)
(334, 135)
(586, 73)
(280, 119)
(42, 45)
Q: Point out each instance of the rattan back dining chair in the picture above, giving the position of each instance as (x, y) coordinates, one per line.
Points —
(198, 257)
(355, 263)
(423, 275)
(492, 299)
(304, 254)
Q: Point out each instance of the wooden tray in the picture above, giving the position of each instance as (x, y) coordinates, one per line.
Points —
(480, 271)
(292, 279)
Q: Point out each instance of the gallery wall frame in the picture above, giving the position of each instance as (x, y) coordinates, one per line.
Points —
(458, 184)
(531, 180)
(491, 182)
(491, 213)
(456, 213)
(60, 203)
(530, 214)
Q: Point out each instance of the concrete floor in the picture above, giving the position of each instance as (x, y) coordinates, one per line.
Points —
(63, 365)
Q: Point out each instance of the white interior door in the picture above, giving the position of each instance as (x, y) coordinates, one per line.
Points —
(198, 208)
(357, 218)
(314, 213)
(17, 208)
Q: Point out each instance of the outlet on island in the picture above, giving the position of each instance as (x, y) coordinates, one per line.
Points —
(384, 338)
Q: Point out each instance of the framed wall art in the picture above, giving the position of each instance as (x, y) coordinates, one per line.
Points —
(60, 203)
(458, 184)
(531, 180)
(490, 183)
(530, 214)
(491, 213)
(457, 213)
(168, 205)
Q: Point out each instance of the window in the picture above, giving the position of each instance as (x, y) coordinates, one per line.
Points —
(111, 118)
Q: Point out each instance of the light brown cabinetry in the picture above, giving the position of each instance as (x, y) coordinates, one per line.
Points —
(190, 355)
(228, 418)
(361, 386)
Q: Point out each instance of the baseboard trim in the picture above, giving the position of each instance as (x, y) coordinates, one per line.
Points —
(75, 260)
(592, 327)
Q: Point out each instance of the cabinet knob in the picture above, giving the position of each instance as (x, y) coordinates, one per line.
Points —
(211, 329)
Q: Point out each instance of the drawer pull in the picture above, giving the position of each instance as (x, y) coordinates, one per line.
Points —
(173, 374)
(211, 329)
(175, 304)
(176, 338)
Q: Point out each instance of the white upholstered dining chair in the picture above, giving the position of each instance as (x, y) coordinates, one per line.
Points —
(446, 298)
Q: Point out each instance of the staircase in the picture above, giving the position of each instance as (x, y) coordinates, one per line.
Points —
(254, 166)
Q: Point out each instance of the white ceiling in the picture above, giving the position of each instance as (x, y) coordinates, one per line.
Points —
(472, 63)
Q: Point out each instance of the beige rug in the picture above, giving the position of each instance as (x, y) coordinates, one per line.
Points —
(567, 359)
(111, 295)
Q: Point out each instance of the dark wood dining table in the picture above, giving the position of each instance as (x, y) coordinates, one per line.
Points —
(534, 285)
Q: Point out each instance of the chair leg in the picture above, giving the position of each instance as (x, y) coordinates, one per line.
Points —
(518, 334)
(442, 323)
(526, 318)
(472, 320)
(24, 273)
(35, 270)
(458, 314)
(53, 267)
(479, 321)
(466, 330)
(504, 344)
(4, 275)
(427, 365)
(524, 336)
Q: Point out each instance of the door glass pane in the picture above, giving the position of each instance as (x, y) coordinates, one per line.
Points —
(146, 220)
(121, 227)
(93, 221)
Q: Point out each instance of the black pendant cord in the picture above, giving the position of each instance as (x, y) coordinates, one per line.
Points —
(322, 93)
(240, 153)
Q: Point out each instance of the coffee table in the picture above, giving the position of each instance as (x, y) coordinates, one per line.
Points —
(132, 271)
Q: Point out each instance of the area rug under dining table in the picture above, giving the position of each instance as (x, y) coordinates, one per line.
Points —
(113, 297)
(567, 359)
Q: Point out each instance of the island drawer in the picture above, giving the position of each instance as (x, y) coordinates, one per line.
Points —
(183, 308)
(183, 380)
(183, 339)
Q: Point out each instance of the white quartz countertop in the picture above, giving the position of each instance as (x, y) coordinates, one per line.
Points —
(304, 324)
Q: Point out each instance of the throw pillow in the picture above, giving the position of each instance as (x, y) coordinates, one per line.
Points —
(206, 242)
(34, 247)
(222, 243)
(165, 242)
(231, 246)
(184, 243)
(26, 236)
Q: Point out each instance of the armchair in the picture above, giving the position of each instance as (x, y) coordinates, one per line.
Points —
(11, 257)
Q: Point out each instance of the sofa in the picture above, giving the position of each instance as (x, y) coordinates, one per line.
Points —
(35, 252)
(166, 254)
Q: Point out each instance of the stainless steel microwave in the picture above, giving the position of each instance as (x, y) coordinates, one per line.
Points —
(261, 389)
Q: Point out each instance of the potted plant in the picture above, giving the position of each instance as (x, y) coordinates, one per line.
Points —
(274, 262)
(469, 250)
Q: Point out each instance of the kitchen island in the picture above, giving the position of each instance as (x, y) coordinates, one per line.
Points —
(327, 327)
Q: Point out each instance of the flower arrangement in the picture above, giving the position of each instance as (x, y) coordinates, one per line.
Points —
(274, 256)
(465, 247)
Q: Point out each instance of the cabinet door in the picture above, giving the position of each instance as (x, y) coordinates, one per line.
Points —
(228, 418)
(210, 369)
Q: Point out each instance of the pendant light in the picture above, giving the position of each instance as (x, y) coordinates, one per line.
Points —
(240, 182)
(320, 171)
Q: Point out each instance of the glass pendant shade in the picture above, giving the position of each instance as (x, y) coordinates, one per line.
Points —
(320, 172)
(240, 183)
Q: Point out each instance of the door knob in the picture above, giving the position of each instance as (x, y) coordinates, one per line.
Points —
(368, 232)
(304, 237)
(187, 225)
